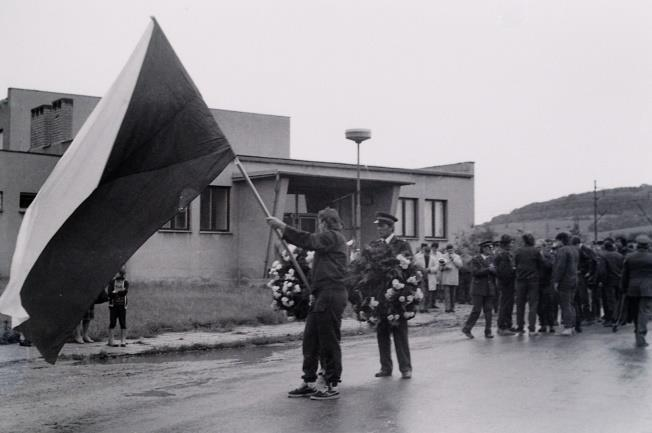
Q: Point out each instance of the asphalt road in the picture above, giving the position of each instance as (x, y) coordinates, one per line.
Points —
(595, 382)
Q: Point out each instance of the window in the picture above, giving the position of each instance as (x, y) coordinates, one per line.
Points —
(435, 218)
(407, 217)
(181, 221)
(26, 198)
(214, 212)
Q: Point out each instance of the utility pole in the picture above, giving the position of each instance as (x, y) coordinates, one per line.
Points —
(595, 211)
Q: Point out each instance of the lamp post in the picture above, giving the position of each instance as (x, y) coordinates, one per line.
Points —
(358, 135)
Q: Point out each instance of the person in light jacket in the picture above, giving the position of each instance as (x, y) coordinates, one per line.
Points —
(448, 271)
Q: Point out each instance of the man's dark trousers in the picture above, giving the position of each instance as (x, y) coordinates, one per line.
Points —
(527, 291)
(480, 303)
(506, 289)
(400, 334)
(321, 336)
(567, 305)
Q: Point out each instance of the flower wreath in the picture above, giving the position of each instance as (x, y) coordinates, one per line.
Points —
(382, 285)
(288, 293)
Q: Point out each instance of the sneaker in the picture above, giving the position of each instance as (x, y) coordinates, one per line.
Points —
(305, 390)
(567, 332)
(330, 393)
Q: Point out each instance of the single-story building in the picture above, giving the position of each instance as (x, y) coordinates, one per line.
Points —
(222, 236)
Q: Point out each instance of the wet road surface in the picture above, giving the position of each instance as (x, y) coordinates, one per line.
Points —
(594, 382)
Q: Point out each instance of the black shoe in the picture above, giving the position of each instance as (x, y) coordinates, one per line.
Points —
(382, 373)
(514, 329)
(406, 374)
(520, 331)
(488, 335)
(467, 333)
(330, 393)
(578, 329)
(305, 390)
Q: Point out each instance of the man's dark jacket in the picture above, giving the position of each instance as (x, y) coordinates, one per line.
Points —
(528, 262)
(637, 273)
(329, 265)
(505, 272)
(564, 271)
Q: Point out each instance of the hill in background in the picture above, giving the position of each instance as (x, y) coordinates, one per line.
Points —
(621, 211)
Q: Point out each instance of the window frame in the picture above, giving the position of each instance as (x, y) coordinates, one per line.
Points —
(211, 229)
(171, 221)
(402, 220)
(431, 204)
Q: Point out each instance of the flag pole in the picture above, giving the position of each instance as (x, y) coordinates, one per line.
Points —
(278, 232)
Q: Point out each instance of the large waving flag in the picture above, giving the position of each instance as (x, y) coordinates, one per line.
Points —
(149, 148)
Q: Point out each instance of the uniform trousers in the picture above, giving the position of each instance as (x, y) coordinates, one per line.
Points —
(480, 303)
(401, 344)
(527, 291)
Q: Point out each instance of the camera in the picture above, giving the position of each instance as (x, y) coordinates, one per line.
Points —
(442, 261)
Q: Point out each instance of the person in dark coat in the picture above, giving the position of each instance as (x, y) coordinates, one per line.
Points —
(611, 282)
(384, 330)
(564, 279)
(528, 261)
(321, 335)
(637, 283)
(548, 300)
(505, 280)
(483, 289)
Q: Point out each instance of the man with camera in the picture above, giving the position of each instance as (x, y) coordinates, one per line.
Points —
(449, 265)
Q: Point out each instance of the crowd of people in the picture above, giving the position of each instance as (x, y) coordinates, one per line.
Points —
(563, 284)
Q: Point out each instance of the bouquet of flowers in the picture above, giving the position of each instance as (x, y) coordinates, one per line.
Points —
(288, 293)
(382, 285)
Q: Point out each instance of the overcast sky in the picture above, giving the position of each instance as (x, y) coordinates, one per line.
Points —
(544, 96)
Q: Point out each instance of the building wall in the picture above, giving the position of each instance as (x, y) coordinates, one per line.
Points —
(248, 133)
(13, 180)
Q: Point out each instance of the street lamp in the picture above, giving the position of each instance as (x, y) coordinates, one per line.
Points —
(358, 135)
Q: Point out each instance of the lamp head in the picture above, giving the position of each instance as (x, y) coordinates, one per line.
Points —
(358, 135)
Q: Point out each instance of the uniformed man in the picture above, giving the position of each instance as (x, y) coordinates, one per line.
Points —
(483, 289)
(505, 280)
(637, 283)
(385, 227)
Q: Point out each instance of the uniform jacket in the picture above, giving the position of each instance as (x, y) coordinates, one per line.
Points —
(449, 273)
(637, 273)
(483, 283)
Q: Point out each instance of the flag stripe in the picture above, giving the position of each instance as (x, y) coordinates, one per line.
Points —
(70, 183)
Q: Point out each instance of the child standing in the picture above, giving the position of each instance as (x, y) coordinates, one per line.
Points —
(117, 292)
